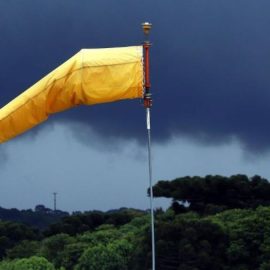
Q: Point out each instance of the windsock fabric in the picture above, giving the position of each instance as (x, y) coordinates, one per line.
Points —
(90, 77)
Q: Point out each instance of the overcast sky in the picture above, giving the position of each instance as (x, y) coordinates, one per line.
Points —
(211, 85)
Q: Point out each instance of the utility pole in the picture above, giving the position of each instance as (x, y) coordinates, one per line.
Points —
(54, 201)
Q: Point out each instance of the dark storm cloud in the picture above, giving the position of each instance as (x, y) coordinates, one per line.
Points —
(210, 62)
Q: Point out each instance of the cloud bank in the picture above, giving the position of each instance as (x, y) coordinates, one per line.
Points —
(210, 64)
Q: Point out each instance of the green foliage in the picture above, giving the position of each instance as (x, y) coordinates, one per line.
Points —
(213, 194)
(71, 254)
(265, 266)
(65, 251)
(190, 242)
(52, 248)
(249, 237)
(33, 263)
(232, 240)
(6, 265)
(89, 221)
(12, 233)
(113, 256)
(24, 249)
(100, 236)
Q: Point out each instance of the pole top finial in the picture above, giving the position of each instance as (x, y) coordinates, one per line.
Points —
(146, 27)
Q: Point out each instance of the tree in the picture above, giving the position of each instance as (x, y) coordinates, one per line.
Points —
(35, 263)
(249, 237)
(71, 254)
(114, 256)
(24, 249)
(52, 248)
(12, 233)
(212, 194)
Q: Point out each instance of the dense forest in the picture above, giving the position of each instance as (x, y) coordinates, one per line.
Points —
(214, 223)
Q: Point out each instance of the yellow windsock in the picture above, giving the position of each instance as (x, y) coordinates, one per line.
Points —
(90, 77)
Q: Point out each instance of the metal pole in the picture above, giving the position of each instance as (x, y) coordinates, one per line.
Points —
(148, 119)
(147, 104)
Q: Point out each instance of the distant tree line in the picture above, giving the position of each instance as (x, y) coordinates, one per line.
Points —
(40, 218)
(90, 220)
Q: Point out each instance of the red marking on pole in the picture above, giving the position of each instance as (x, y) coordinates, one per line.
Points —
(147, 94)
(147, 65)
